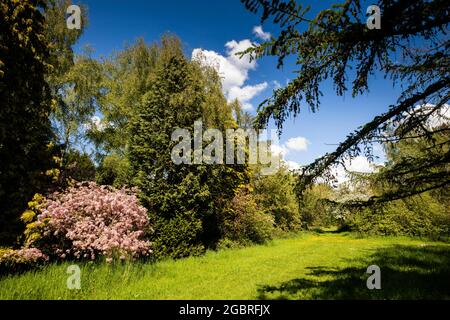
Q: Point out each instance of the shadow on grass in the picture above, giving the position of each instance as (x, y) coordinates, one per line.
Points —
(407, 272)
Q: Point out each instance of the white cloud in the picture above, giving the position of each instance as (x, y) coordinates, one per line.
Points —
(234, 47)
(278, 150)
(359, 164)
(245, 94)
(292, 144)
(276, 85)
(292, 165)
(233, 70)
(438, 118)
(297, 144)
(258, 32)
(95, 123)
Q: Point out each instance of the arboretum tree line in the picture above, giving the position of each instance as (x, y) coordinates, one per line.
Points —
(75, 127)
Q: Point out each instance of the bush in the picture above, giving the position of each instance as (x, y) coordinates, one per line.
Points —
(275, 196)
(313, 207)
(421, 216)
(115, 171)
(177, 237)
(245, 223)
(12, 261)
(87, 221)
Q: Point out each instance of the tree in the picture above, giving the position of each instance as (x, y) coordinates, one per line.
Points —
(426, 214)
(275, 195)
(124, 80)
(25, 100)
(185, 200)
(337, 40)
(75, 80)
(115, 170)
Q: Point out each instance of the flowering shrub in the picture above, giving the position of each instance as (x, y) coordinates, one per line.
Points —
(89, 220)
(20, 260)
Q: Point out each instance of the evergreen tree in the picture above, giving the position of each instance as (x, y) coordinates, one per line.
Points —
(25, 104)
(184, 200)
(338, 40)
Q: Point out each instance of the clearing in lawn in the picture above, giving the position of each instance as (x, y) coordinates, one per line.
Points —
(307, 266)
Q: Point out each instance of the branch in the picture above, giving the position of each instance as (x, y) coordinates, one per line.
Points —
(318, 167)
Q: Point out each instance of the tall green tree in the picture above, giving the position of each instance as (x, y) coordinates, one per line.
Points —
(25, 106)
(124, 81)
(336, 40)
(425, 214)
(75, 80)
(184, 200)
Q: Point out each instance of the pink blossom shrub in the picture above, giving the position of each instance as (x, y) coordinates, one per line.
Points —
(12, 261)
(87, 221)
(24, 255)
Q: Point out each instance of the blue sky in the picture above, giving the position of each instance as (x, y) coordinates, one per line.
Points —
(208, 25)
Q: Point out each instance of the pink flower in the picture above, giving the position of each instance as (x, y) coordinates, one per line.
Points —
(96, 220)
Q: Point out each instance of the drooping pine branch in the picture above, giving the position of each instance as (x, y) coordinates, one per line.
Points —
(412, 48)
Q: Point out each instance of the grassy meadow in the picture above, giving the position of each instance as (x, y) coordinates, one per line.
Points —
(305, 266)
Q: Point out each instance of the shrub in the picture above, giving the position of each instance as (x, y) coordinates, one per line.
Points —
(20, 260)
(245, 222)
(115, 171)
(275, 196)
(87, 221)
(177, 237)
(421, 216)
(313, 208)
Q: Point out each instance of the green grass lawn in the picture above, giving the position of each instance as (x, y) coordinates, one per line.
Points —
(308, 266)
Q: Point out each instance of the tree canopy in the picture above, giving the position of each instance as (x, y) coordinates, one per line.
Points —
(411, 49)
(25, 105)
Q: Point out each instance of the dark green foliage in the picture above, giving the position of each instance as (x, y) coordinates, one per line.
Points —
(114, 170)
(420, 216)
(24, 110)
(314, 210)
(275, 196)
(183, 200)
(245, 222)
(426, 214)
(178, 236)
(78, 166)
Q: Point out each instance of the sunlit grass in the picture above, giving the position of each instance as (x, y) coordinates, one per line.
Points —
(308, 266)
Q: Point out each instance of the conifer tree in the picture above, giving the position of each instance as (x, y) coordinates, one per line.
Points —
(184, 200)
(25, 105)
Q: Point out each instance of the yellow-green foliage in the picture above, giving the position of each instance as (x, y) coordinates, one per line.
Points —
(4, 250)
(245, 222)
(33, 229)
(423, 216)
(314, 211)
(275, 196)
